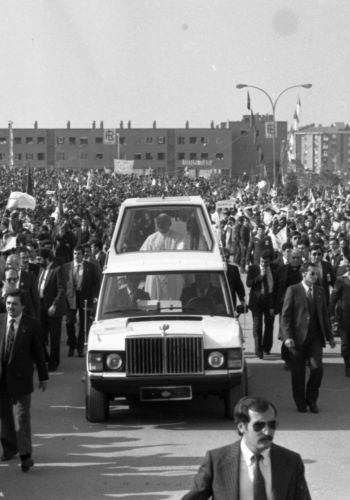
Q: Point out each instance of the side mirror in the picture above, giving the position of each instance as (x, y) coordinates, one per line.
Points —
(242, 309)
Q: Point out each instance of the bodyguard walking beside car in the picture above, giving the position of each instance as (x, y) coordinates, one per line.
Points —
(20, 349)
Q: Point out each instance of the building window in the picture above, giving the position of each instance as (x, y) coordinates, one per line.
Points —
(3, 140)
(193, 156)
(205, 140)
(193, 140)
(181, 140)
(29, 156)
(60, 156)
(29, 140)
(72, 140)
(219, 156)
(98, 140)
(84, 140)
(137, 156)
(18, 140)
(149, 140)
(122, 140)
(99, 156)
(181, 156)
(2, 156)
(122, 156)
(41, 140)
(41, 156)
(149, 156)
(204, 156)
(161, 156)
(161, 139)
(18, 156)
(60, 140)
(83, 156)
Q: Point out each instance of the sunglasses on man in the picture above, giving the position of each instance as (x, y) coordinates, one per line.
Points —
(259, 426)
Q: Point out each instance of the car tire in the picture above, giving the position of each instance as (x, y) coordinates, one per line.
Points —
(96, 404)
(234, 394)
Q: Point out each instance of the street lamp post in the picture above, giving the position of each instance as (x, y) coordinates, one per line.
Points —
(273, 105)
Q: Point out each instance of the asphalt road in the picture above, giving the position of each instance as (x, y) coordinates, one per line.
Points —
(152, 452)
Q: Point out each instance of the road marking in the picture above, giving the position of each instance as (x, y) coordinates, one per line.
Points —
(171, 495)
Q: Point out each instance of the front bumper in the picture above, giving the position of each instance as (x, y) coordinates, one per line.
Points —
(134, 386)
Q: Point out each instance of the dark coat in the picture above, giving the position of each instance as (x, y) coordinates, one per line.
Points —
(328, 277)
(295, 316)
(235, 283)
(27, 350)
(218, 476)
(281, 284)
(254, 281)
(90, 285)
(29, 283)
(55, 290)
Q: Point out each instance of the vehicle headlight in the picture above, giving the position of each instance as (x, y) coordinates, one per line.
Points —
(216, 359)
(95, 362)
(114, 361)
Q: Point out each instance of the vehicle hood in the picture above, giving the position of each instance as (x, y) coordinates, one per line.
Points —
(217, 331)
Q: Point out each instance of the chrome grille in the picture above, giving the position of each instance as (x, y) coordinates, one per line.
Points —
(164, 355)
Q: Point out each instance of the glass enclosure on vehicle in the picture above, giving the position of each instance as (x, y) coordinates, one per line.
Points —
(164, 228)
(133, 294)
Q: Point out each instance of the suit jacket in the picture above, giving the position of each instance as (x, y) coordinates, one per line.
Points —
(281, 284)
(90, 285)
(295, 316)
(218, 476)
(257, 300)
(339, 303)
(29, 283)
(55, 290)
(235, 283)
(27, 350)
(328, 277)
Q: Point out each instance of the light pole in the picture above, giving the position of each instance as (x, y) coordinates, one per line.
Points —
(273, 105)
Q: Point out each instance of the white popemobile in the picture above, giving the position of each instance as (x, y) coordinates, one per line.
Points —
(165, 327)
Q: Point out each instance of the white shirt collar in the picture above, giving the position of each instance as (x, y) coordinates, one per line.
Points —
(247, 453)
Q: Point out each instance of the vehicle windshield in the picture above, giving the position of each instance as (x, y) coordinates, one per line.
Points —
(136, 294)
(164, 228)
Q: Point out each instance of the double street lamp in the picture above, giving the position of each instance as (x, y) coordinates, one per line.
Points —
(273, 105)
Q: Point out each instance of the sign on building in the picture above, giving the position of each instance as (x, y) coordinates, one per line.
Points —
(123, 167)
(270, 130)
(110, 136)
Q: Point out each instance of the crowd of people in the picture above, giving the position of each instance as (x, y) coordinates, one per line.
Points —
(292, 252)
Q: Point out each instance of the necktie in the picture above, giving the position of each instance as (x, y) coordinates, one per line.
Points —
(309, 294)
(77, 277)
(259, 481)
(10, 338)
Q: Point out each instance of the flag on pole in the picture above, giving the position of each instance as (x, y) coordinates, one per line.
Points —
(29, 186)
(248, 100)
(298, 108)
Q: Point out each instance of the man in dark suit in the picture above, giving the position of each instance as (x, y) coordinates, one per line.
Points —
(52, 293)
(234, 280)
(28, 282)
(286, 275)
(83, 284)
(253, 467)
(260, 279)
(98, 253)
(305, 327)
(20, 348)
(339, 309)
(326, 273)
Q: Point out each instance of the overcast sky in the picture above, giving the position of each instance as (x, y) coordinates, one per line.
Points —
(171, 60)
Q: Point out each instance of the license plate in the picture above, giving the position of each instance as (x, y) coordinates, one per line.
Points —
(173, 393)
